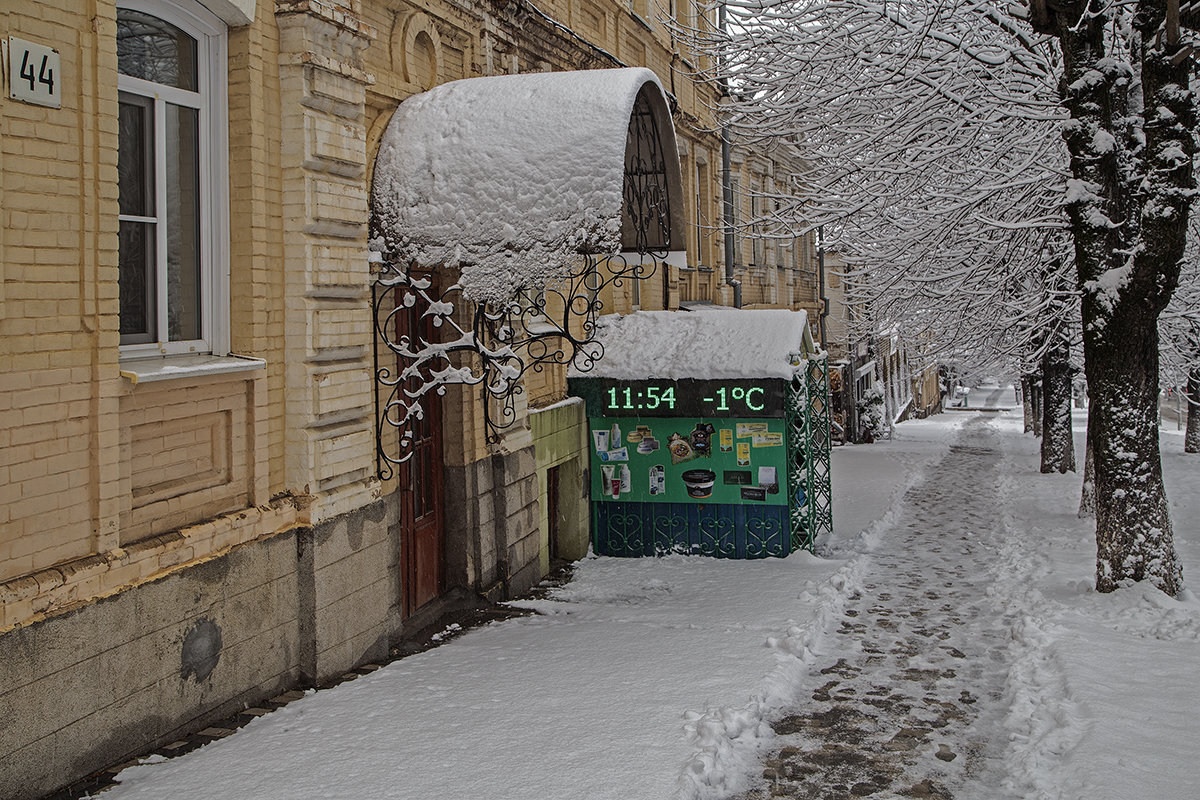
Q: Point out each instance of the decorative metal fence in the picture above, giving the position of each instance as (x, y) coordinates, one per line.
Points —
(719, 530)
(809, 445)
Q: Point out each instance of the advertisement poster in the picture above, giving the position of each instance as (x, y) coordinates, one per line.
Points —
(688, 460)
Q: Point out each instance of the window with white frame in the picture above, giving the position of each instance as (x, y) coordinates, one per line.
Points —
(757, 225)
(735, 183)
(173, 179)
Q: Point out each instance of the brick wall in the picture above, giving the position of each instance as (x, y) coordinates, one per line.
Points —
(57, 328)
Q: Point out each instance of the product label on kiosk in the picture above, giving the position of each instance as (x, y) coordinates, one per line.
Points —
(728, 460)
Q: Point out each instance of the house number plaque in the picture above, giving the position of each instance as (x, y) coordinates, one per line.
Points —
(34, 73)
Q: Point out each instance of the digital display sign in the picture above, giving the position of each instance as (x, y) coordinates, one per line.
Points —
(686, 398)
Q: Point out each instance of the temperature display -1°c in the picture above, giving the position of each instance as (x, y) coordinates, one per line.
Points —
(736, 398)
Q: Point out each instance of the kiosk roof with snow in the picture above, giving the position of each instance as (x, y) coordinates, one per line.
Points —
(716, 343)
(511, 178)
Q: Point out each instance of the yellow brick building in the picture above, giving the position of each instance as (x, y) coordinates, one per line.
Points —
(192, 515)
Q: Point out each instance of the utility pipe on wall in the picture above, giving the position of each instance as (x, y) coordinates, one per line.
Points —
(727, 181)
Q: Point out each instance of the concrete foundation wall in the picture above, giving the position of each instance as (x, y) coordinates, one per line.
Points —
(112, 679)
(116, 678)
(349, 585)
(492, 540)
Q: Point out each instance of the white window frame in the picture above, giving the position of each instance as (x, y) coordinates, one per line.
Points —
(211, 102)
(758, 244)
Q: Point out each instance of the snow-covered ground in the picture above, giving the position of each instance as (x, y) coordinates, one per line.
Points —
(655, 679)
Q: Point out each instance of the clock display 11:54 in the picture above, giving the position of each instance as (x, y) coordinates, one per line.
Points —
(647, 398)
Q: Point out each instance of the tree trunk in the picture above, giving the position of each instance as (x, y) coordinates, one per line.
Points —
(1134, 537)
(1035, 396)
(1058, 446)
(1191, 439)
(1130, 197)
(1027, 402)
(1087, 497)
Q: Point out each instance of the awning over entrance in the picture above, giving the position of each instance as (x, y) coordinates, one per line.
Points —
(511, 178)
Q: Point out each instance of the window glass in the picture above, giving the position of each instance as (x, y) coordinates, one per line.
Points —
(183, 223)
(136, 287)
(154, 50)
(135, 164)
(135, 174)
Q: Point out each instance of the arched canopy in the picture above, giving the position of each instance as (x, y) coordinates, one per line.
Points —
(512, 177)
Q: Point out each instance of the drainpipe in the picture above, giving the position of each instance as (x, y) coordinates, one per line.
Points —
(727, 182)
(727, 191)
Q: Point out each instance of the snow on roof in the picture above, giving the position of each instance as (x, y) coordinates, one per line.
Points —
(508, 177)
(719, 342)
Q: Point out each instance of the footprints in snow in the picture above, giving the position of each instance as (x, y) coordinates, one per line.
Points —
(915, 659)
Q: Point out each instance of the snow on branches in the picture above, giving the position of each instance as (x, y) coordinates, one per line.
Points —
(930, 140)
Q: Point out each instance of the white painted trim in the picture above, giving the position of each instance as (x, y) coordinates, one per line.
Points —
(212, 104)
(234, 13)
(149, 370)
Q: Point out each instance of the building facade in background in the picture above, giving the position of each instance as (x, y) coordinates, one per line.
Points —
(193, 517)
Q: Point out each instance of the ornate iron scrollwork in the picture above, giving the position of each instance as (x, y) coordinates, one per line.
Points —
(536, 328)
(553, 326)
(646, 212)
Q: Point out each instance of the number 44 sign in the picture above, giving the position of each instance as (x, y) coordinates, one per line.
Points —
(34, 73)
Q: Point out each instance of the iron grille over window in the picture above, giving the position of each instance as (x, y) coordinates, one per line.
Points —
(646, 211)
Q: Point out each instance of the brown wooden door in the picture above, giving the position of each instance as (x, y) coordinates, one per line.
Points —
(421, 543)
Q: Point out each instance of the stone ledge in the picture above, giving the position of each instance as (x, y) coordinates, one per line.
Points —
(64, 587)
(333, 13)
(329, 65)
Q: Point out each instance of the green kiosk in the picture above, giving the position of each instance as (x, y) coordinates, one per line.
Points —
(709, 434)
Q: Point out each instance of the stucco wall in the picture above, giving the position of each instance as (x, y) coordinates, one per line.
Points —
(560, 441)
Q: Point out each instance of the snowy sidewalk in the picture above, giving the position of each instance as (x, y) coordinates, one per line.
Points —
(961, 621)
(914, 679)
(642, 679)
(976, 661)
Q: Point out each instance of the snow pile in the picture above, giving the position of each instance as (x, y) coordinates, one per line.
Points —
(717, 344)
(508, 177)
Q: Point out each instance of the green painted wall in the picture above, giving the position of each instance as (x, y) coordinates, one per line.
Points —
(560, 440)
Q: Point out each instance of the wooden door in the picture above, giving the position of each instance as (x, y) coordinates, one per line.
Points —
(421, 543)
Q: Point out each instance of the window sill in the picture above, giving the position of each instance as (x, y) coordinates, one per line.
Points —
(148, 370)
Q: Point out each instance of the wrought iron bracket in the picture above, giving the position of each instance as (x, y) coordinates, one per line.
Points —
(555, 325)
(426, 339)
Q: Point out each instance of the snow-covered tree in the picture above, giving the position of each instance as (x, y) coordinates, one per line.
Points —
(930, 139)
(1131, 136)
(953, 145)
(1180, 327)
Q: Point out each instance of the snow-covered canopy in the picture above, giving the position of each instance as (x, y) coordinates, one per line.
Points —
(718, 343)
(511, 177)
